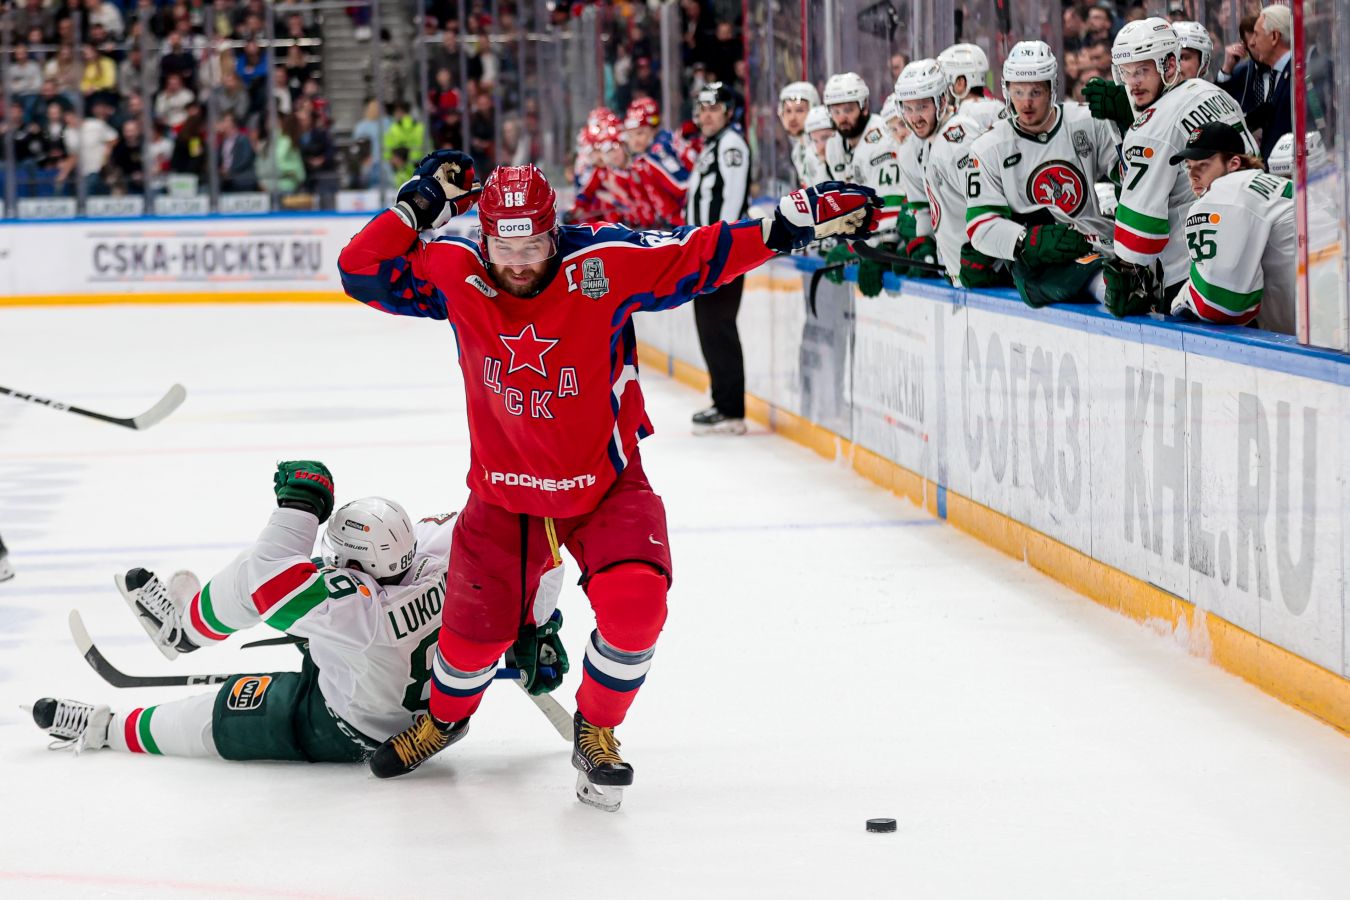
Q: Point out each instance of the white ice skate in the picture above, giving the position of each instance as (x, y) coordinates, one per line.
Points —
(82, 726)
(160, 609)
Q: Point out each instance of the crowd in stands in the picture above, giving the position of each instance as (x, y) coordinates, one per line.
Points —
(77, 77)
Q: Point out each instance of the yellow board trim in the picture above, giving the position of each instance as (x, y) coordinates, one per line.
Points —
(1284, 675)
(166, 297)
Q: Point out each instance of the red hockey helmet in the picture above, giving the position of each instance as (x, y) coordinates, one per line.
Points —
(517, 217)
(642, 111)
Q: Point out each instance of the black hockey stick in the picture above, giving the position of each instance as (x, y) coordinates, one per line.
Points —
(155, 414)
(558, 717)
(815, 283)
(876, 254)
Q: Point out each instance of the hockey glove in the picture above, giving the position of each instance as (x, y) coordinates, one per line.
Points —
(442, 186)
(539, 647)
(1132, 290)
(979, 270)
(870, 276)
(1109, 101)
(830, 209)
(841, 254)
(1047, 245)
(923, 249)
(304, 484)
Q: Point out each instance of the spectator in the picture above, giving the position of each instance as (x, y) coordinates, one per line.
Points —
(171, 106)
(1097, 59)
(372, 128)
(65, 72)
(697, 34)
(1272, 46)
(35, 15)
(442, 96)
(408, 133)
(236, 157)
(56, 159)
(28, 147)
(1075, 27)
(106, 15)
(282, 170)
(251, 66)
(312, 93)
(377, 169)
(125, 172)
(1241, 75)
(297, 68)
(898, 63)
(281, 91)
(1101, 23)
(96, 137)
(483, 132)
(447, 56)
(100, 76)
(316, 148)
(131, 72)
(727, 50)
(189, 145)
(230, 96)
(177, 61)
(24, 79)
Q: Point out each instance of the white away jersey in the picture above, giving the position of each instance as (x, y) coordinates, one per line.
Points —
(810, 168)
(984, 110)
(873, 162)
(1154, 195)
(1017, 178)
(945, 172)
(372, 644)
(1242, 242)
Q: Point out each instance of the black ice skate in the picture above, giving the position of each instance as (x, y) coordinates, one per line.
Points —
(82, 726)
(159, 612)
(711, 421)
(414, 745)
(601, 772)
(6, 568)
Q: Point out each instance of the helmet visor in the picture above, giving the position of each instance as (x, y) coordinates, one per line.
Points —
(520, 251)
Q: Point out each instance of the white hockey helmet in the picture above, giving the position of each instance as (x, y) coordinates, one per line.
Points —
(373, 535)
(1281, 161)
(1194, 36)
(924, 79)
(846, 87)
(818, 119)
(799, 90)
(1145, 39)
(964, 59)
(1030, 61)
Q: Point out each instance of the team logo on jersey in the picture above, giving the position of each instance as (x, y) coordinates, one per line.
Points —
(956, 134)
(248, 693)
(872, 136)
(1081, 145)
(484, 288)
(527, 350)
(593, 283)
(1058, 184)
(1142, 119)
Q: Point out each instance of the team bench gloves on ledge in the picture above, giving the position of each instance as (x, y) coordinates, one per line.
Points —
(830, 209)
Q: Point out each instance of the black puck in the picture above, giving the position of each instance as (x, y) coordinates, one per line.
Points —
(881, 826)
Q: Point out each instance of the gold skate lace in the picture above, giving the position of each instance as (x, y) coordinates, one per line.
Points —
(420, 742)
(599, 745)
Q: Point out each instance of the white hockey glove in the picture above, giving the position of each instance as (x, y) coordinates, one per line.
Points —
(829, 209)
(442, 186)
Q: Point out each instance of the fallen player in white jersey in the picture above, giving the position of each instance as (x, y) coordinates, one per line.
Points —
(367, 615)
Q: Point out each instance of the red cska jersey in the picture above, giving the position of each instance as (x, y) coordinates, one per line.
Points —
(555, 410)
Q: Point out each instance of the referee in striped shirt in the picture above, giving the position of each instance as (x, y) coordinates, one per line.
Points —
(719, 191)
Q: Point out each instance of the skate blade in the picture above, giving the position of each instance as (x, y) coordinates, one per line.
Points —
(170, 652)
(734, 427)
(600, 796)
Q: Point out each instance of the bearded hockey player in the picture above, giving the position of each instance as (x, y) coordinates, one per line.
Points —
(1154, 194)
(368, 613)
(862, 152)
(966, 68)
(933, 171)
(1241, 235)
(795, 103)
(543, 318)
(1030, 184)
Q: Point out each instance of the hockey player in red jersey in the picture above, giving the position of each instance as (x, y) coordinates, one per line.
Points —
(542, 315)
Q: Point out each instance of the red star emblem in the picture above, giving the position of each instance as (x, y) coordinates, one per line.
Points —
(527, 350)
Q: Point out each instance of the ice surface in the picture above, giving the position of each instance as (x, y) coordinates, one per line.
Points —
(832, 655)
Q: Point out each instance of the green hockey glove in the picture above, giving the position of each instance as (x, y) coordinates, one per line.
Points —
(1046, 245)
(1109, 101)
(840, 254)
(304, 484)
(979, 270)
(870, 275)
(539, 647)
(1132, 290)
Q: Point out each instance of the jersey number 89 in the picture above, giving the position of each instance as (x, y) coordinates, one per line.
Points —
(513, 198)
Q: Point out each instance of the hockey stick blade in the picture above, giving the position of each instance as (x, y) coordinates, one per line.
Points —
(171, 400)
